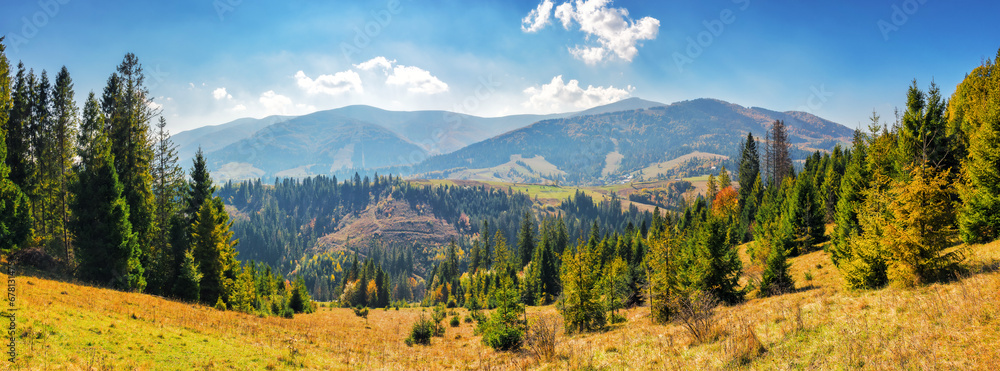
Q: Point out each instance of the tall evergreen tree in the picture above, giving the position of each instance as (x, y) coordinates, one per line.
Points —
(852, 186)
(749, 175)
(108, 250)
(64, 131)
(128, 118)
(975, 113)
(214, 250)
(15, 218)
(18, 128)
(168, 180)
(526, 240)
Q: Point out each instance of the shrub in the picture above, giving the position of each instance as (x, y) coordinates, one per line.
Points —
(361, 312)
(541, 338)
(422, 331)
(455, 322)
(504, 330)
(219, 304)
(742, 345)
(695, 312)
(616, 318)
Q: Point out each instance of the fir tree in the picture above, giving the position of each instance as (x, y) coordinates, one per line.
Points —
(107, 246)
(213, 248)
(167, 182)
(15, 217)
(526, 240)
(188, 283)
(64, 133)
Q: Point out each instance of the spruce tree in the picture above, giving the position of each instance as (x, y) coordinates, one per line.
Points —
(128, 115)
(525, 240)
(724, 180)
(974, 112)
(15, 216)
(64, 131)
(188, 283)
(168, 178)
(852, 186)
(108, 250)
(17, 126)
(749, 175)
(213, 247)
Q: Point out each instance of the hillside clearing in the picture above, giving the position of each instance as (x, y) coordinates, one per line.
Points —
(947, 325)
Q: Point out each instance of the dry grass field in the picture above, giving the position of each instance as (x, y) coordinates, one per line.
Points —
(953, 325)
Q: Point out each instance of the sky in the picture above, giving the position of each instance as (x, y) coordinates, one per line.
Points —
(208, 62)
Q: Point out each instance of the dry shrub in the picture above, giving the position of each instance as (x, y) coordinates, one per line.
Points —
(742, 345)
(541, 337)
(696, 311)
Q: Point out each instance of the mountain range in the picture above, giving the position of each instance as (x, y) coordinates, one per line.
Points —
(628, 137)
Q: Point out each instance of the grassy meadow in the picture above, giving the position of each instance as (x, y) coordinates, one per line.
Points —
(952, 325)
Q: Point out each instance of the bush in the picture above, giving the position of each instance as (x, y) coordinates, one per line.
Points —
(361, 312)
(219, 304)
(454, 321)
(695, 312)
(541, 338)
(504, 330)
(501, 336)
(422, 331)
(616, 318)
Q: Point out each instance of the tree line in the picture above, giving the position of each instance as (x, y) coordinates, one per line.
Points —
(100, 192)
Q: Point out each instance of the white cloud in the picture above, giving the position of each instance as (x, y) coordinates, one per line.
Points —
(220, 94)
(617, 35)
(239, 108)
(538, 18)
(375, 62)
(275, 103)
(340, 82)
(416, 80)
(154, 106)
(558, 95)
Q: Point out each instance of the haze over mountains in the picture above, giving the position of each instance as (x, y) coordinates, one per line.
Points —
(596, 145)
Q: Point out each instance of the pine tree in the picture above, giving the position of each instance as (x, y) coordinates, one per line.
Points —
(211, 240)
(128, 116)
(852, 186)
(712, 263)
(15, 217)
(64, 131)
(804, 213)
(526, 240)
(974, 112)
(188, 283)
(923, 227)
(713, 188)
(17, 126)
(108, 251)
(749, 175)
(44, 179)
(168, 180)
(724, 180)
(581, 307)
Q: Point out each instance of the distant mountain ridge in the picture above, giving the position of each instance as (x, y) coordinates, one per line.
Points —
(585, 149)
(603, 142)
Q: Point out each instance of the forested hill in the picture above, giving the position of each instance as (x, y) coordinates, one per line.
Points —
(315, 226)
(585, 149)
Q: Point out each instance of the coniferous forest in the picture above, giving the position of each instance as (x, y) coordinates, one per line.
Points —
(93, 191)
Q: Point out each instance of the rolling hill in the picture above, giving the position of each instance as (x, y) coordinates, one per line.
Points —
(318, 143)
(599, 147)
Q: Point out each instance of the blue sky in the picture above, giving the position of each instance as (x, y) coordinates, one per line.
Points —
(212, 61)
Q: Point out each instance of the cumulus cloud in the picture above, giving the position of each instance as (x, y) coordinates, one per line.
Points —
(338, 83)
(616, 34)
(375, 62)
(220, 94)
(414, 79)
(538, 18)
(275, 103)
(239, 108)
(559, 95)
